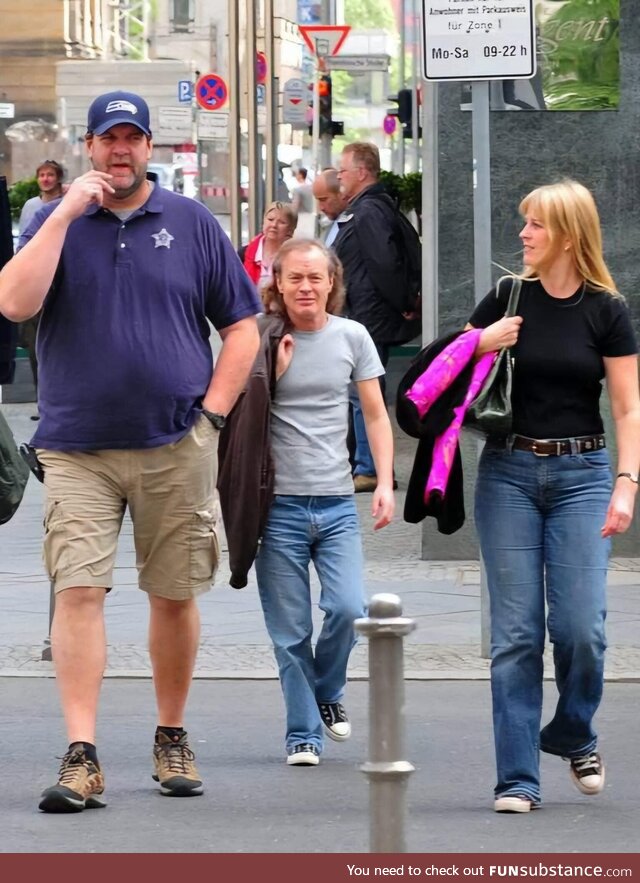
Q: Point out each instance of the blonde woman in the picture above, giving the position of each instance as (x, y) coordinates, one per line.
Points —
(278, 225)
(547, 503)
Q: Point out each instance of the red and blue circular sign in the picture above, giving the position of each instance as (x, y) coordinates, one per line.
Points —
(211, 92)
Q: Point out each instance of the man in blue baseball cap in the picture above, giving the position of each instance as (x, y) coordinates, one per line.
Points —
(127, 275)
(118, 107)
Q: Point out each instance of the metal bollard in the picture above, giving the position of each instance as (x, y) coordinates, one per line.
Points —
(46, 652)
(388, 773)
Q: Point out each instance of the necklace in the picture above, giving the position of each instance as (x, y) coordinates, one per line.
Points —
(578, 301)
(559, 300)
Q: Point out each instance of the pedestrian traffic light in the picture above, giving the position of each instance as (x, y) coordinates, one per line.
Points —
(324, 98)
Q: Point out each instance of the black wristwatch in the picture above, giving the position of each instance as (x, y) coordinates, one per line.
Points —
(218, 420)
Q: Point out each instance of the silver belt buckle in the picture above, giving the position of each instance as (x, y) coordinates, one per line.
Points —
(536, 452)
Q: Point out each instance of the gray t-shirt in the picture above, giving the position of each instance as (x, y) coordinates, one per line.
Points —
(29, 209)
(310, 412)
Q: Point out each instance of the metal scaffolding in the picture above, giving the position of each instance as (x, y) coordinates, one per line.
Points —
(107, 29)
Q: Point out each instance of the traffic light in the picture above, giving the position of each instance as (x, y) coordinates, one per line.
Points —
(328, 126)
(324, 97)
(404, 112)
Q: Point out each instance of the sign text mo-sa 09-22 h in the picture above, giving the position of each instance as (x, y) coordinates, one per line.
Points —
(478, 39)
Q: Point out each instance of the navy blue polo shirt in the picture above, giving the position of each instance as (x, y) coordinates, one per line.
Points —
(123, 343)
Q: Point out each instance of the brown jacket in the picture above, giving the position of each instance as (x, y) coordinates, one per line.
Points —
(245, 465)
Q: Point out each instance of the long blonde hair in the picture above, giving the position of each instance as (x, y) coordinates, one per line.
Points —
(567, 209)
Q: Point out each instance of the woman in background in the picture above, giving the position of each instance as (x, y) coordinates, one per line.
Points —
(278, 225)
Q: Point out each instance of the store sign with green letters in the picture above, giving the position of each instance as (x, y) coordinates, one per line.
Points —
(578, 55)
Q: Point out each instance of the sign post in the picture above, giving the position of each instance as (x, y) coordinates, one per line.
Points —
(464, 40)
(323, 41)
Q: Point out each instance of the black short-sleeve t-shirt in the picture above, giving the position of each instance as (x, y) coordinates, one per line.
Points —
(558, 359)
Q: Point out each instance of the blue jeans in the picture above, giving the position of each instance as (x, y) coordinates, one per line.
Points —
(300, 530)
(539, 521)
(362, 457)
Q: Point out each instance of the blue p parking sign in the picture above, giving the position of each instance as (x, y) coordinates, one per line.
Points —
(185, 90)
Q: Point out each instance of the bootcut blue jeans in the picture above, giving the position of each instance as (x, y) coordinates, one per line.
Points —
(325, 531)
(539, 521)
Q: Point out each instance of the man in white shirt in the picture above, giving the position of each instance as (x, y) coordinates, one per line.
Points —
(49, 175)
(331, 201)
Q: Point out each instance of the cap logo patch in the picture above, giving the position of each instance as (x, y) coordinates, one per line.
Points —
(121, 105)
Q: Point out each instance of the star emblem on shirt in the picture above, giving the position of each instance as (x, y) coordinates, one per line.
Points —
(163, 238)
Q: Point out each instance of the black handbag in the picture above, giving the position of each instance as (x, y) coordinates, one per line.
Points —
(490, 412)
(14, 473)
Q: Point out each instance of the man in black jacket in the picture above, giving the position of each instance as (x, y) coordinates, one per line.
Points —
(367, 249)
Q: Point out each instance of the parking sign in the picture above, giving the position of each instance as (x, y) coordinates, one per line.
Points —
(185, 88)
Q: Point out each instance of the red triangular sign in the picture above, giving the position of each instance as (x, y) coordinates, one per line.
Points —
(324, 40)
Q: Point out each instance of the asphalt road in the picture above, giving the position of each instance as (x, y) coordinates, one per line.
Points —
(254, 803)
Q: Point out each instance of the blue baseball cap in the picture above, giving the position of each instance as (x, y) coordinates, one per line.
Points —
(114, 108)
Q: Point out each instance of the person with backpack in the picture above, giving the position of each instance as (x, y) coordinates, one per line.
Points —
(380, 253)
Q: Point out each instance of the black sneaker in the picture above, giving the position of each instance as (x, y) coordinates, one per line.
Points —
(587, 772)
(174, 767)
(303, 754)
(335, 720)
(80, 785)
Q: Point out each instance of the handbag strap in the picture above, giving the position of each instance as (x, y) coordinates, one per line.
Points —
(514, 294)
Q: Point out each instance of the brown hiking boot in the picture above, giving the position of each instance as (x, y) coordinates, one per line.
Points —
(175, 768)
(365, 484)
(80, 785)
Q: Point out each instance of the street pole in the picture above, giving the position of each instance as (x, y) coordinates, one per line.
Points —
(328, 18)
(315, 126)
(402, 76)
(235, 203)
(387, 770)
(415, 50)
(271, 142)
(481, 134)
(430, 223)
(255, 177)
(430, 280)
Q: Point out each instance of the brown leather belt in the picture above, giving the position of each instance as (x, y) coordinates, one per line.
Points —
(547, 447)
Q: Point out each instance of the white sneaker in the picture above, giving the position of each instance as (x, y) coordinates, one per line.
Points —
(587, 773)
(303, 754)
(513, 803)
(335, 720)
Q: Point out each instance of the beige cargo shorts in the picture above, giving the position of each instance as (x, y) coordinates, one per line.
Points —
(172, 499)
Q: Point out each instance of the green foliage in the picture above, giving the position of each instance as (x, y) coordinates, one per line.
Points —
(369, 14)
(20, 192)
(405, 189)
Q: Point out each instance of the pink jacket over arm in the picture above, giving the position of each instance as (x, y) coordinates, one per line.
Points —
(432, 383)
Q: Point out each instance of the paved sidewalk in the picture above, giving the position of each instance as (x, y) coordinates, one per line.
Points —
(443, 598)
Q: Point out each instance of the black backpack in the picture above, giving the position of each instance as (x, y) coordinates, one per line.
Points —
(409, 251)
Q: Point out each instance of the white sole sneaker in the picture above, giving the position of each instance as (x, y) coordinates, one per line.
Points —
(303, 758)
(589, 784)
(340, 732)
(511, 803)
